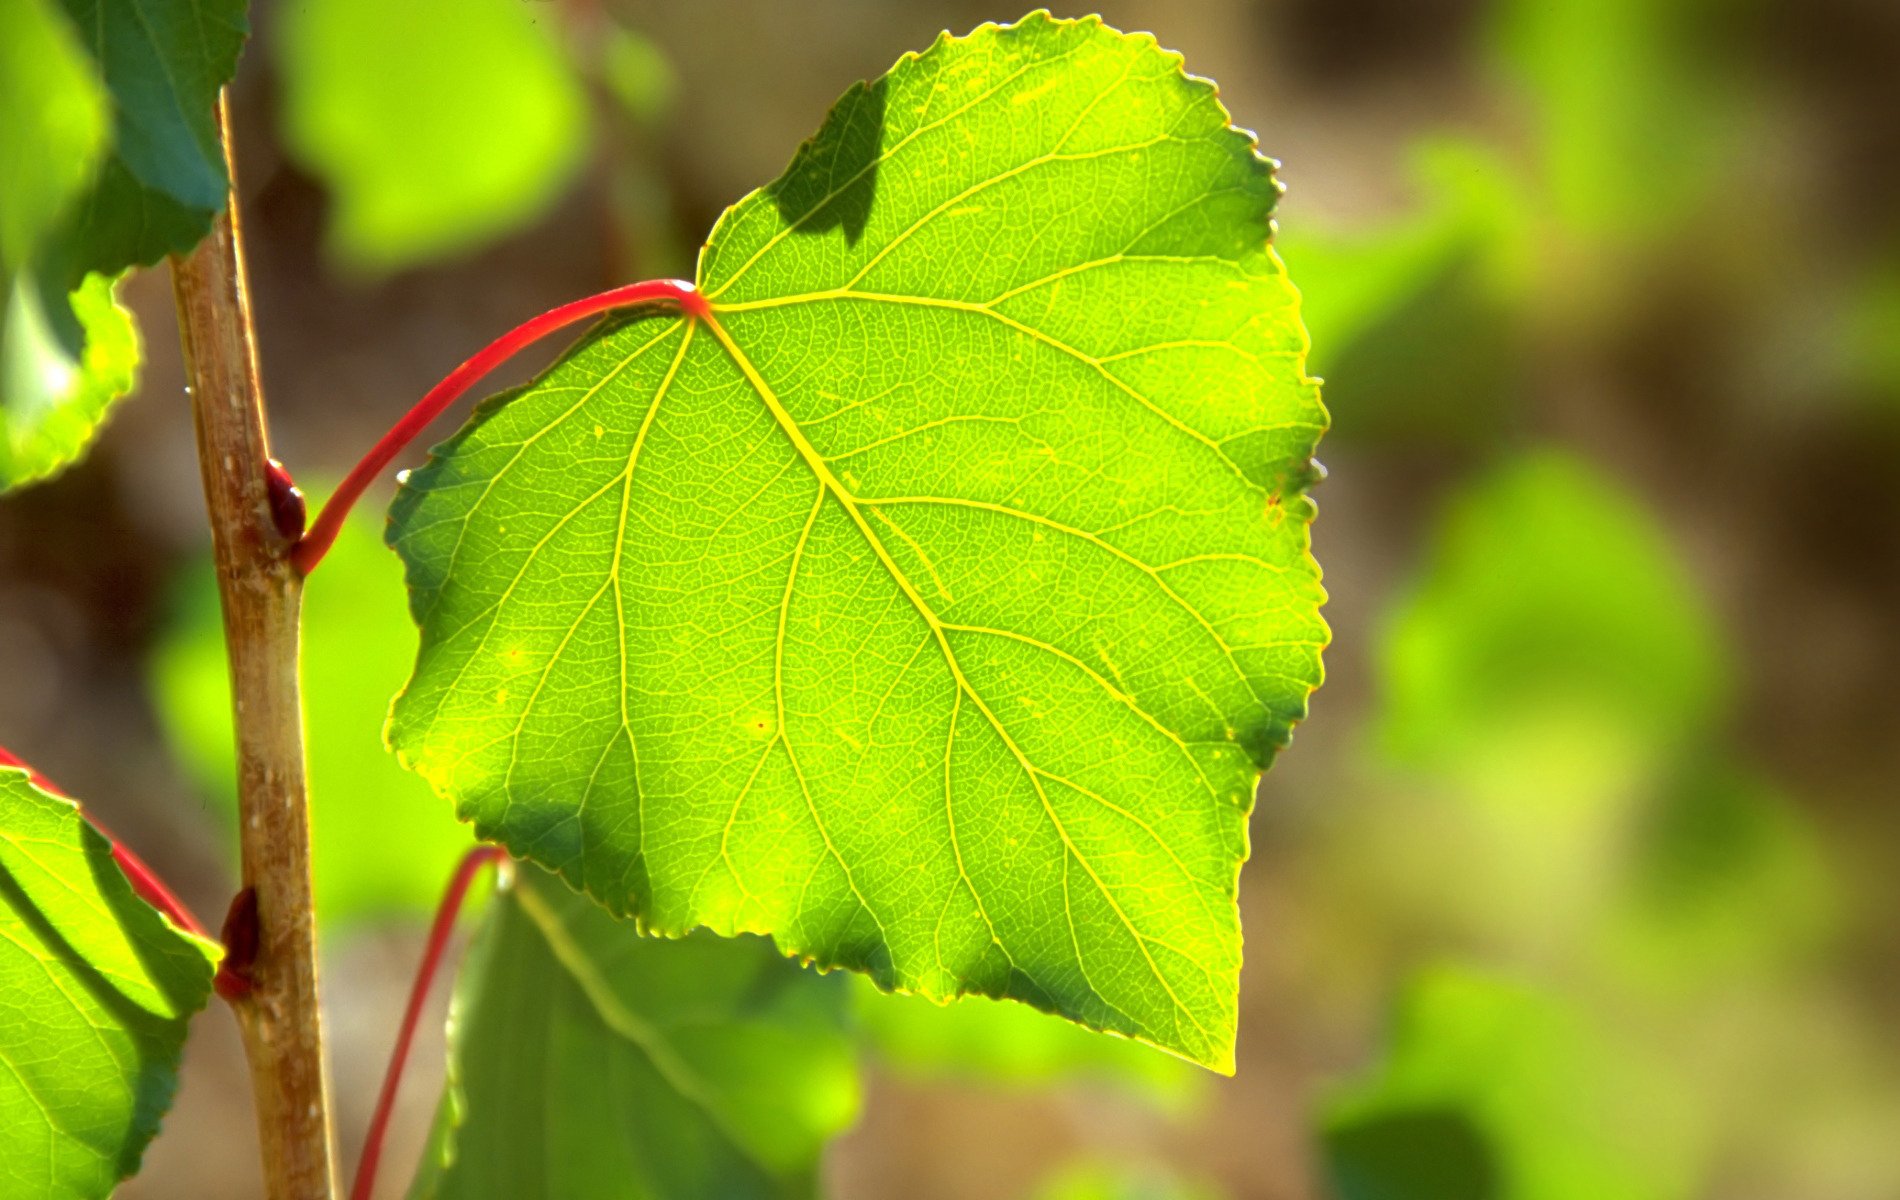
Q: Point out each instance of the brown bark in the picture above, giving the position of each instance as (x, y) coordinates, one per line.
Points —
(262, 594)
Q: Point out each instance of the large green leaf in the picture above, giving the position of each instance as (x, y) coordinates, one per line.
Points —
(95, 993)
(935, 604)
(381, 845)
(589, 1061)
(435, 123)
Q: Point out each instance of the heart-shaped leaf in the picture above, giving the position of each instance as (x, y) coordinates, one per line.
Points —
(934, 603)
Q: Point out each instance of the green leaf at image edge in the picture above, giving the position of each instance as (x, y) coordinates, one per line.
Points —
(82, 208)
(589, 1061)
(53, 120)
(96, 990)
(941, 620)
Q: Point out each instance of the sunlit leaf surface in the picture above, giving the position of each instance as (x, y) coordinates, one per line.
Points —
(935, 604)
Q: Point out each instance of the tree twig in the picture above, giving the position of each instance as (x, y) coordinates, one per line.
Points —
(261, 594)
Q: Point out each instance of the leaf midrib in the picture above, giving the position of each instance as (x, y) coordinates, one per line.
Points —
(820, 468)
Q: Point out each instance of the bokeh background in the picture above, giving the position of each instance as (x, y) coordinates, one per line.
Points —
(1584, 878)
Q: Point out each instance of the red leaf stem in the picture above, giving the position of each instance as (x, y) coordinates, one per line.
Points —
(465, 873)
(144, 880)
(315, 544)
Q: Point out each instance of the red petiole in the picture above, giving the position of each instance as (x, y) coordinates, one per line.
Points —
(315, 544)
(465, 873)
(144, 880)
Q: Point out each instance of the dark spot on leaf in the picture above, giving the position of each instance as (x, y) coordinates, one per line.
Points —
(833, 177)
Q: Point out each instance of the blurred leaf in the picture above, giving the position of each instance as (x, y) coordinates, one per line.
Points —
(1727, 878)
(647, 237)
(1119, 1181)
(637, 73)
(1009, 1044)
(382, 843)
(1492, 1091)
(951, 654)
(54, 399)
(1634, 114)
(1873, 331)
(53, 120)
(96, 991)
(589, 1061)
(1412, 323)
(436, 124)
(54, 387)
(1551, 612)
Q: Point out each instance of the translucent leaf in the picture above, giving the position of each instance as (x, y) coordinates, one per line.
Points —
(78, 214)
(473, 133)
(381, 844)
(53, 115)
(95, 992)
(588, 1061)
(936, 602)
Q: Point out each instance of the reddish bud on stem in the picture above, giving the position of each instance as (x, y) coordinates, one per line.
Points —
(240, 938)
(286, 501)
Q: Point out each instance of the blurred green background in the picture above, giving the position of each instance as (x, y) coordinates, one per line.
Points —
(1583, 879)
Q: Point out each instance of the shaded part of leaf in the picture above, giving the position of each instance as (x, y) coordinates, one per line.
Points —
(589, 1061)
(166, 177)
(1420, 1154)
(832, 180)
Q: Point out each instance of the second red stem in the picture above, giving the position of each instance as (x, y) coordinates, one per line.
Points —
(438, 943)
